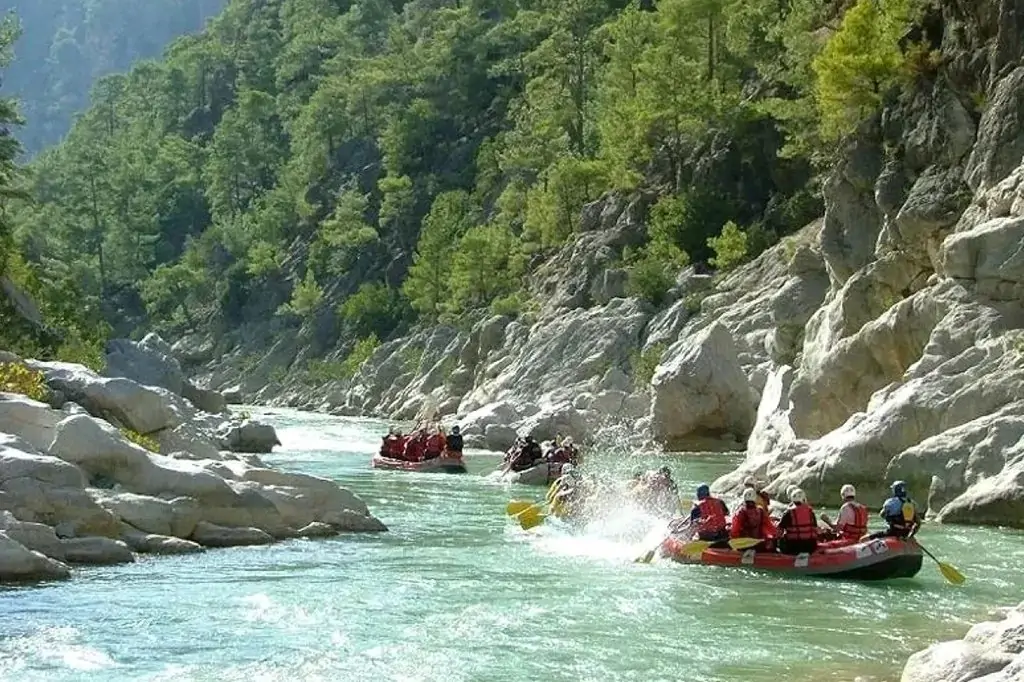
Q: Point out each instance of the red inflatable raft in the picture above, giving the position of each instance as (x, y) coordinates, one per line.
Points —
(881, 559)
(447, 463)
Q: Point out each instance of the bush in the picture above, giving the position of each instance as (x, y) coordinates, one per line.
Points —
(650, 280)
(362, 352)
(141, 440)
(730, 247)
(325, 371)
(510, 305)
(17, 378)
(306, 297)
(82, 351)
(373, 309)
(644, 364)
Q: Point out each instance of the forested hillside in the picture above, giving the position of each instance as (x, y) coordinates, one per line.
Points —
(65, 45)
(349, 168)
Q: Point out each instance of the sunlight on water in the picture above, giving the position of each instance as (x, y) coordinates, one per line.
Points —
(457, 591)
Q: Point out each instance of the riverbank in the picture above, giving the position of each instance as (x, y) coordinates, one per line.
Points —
(544, 605)
(107, 468)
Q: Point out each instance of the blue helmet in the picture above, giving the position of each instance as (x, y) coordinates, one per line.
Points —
(899, 489)
(703, 491)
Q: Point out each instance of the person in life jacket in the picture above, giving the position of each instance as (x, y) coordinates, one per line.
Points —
(762, 499)
(416, 446)
(393, 445)
(798, 527)
(900, 512)
(454, 441)
(751, 521)
(434, 445)
(528, 454)
(564, 493)
(852, 523)
(709, 516)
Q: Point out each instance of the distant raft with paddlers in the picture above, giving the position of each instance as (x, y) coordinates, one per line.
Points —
(878, 559)
(420, 452)
(530, 463)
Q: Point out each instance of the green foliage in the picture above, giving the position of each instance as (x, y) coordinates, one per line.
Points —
(373, 309)
(644, 363)
(486, 266)
(654, 272)
(319, 372)
(510, 305)
(650, 279)
(860, 63)
(306, 298)
(361, 352)
(142, 440)
(17, 378)
(411, 356)
(730, 247)
(430, 277)
(554, 203)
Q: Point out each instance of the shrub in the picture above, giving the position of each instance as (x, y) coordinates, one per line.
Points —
(141, 440)
(644, 364)
(510, 305)
(325, 371)
(17, 378)
(373, 309)
(361, 352)
(650, 280)
(730, 247)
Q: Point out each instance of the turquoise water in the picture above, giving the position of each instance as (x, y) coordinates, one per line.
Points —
(456, 592)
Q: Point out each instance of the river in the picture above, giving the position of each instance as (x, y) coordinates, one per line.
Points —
(456, 592)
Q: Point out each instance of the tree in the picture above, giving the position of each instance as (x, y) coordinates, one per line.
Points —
(485, 267)
(730, 247)
(859, 64)
(427, 286)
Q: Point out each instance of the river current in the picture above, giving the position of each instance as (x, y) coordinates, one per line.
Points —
(456, 592)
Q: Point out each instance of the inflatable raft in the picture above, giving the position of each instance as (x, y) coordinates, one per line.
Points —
(447, 463)
(543, 473)
(881, 559)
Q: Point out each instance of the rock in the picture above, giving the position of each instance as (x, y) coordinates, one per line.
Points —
(699, 389)
(317, 529)
(989, 652)
(556, 420)
(28, 419)
(635, 406)
(608, 285)
(1000, 141)
(251, 436)
(149, 362)
(18, 563)
(990, 256)
(212, 535)
(37, 537)
(97, 550)
(233, 395)
(43, 489)
(150, 543)
(175, 517)
(499, 437)
(616, 380)
(204, 399)
(994, 501)
(140, 408)
(608, 402)
(499, 413)
(349, 521)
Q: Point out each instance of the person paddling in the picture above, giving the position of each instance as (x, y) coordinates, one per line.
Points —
(763, 500)
(798, 528)
(900, 512)
(852, 523)
(751, 521)
(710, 516)
(454, 441)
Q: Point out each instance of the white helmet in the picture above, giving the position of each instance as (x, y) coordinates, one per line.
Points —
(567, 469)
(848, 491)
(567, 441)
(749, 495)
(797, 495)
(749, 481)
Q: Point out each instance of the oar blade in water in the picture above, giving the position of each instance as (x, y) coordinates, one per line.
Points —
(517, 507)
(531, 518)
(695, 548)
(744, 543)
(951, 574)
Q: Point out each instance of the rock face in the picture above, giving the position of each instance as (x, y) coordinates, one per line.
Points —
(990, 652)
(702, 388)
(90, 496)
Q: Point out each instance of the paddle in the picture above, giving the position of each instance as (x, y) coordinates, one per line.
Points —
(531, 517)
(516, 506)
(949, 572)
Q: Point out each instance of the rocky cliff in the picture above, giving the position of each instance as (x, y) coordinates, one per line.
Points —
(882, 341)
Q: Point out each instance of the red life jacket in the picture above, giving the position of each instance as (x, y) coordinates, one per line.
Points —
(712, 518)
(434, 443)
(859, 527)
(751, 521)
(414, 449)
(802, 525)
(560, 455)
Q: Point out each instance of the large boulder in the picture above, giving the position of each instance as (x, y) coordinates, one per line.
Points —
(141, 408)
(33, 421)
(43, 489)
(150, 362)
(700, 390)
(250, 436)
(212, 535)
(18, 563)
(989, 652)
(176, 517)
(97, 550)
(151, 543)
(37, 537)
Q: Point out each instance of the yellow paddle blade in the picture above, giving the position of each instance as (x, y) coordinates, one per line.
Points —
(951, 574)
(517, 506)
(744, 543)
(694, 548)
(531, 518)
